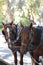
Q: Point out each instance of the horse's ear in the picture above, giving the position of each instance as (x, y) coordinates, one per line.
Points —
(11, 22)
(30, 26)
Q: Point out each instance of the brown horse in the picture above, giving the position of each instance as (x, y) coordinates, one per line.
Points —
(32, 41)
(13, 39)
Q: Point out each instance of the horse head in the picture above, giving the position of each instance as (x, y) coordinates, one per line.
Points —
(26, 37)
(9, 31)
(25, 33)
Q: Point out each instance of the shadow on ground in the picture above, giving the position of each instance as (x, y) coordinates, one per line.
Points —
(3, 62)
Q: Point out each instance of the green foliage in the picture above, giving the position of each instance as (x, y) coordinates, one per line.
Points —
(2, 2)
(24, 21)
(32, 7)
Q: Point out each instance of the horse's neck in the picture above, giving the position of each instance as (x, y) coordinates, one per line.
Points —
(37, 35)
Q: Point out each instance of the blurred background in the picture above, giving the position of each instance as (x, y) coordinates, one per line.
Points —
(21, 11)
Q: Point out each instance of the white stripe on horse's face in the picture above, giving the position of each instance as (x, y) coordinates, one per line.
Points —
(8, 31)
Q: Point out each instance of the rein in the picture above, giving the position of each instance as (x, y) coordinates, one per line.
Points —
(34, 60)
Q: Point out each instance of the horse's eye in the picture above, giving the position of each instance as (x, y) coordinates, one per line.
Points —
(3, 32)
